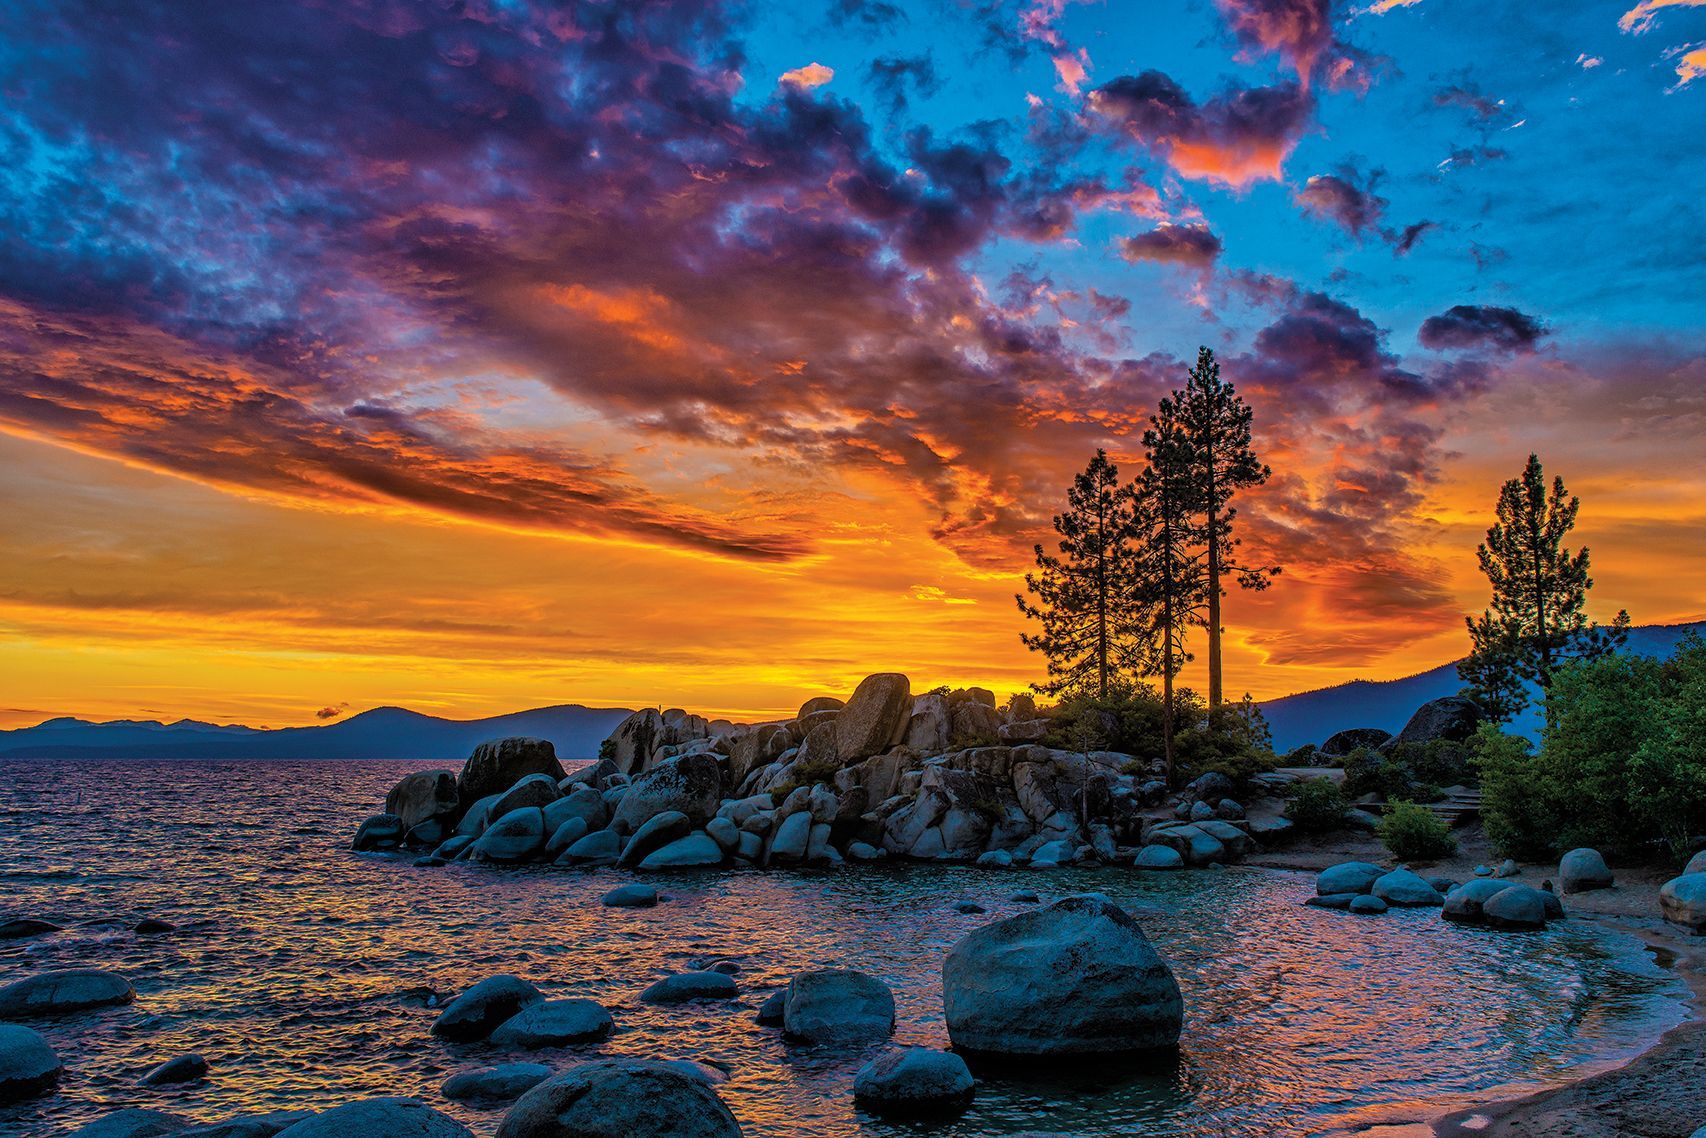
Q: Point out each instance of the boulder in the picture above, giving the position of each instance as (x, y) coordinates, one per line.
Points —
(635, 896)
(621, 1097)
(515, 836)
(1464, 903)
(476, 1013)
(60, 993)
(554, 1023)
(424, 796)
(1229, 810)
(1077, 977)
(1024, 731)
(696, 850)
(1403, 888)
(874, 717)
(1451, 717)
(183, 1069)
(687, 784)
(992, 859)
(593, 775)
(725, 833)
(453, 847)
(819, 703)
(601, 847)
(1211, 786)
(973, 722)
(687, 986)
(380, 832)
(28, 1065)
(248, 1125)
(838, 1006)
(1341, 743)
(1348, 877)
(474, 819)
(496, 766)
(25, 927)
(1051, 855)
(378, 1118)
(1682, 900)
(913, 1083)
(930, 728)
(1696, 864)
(427, 835)
(655, 833)
(134, 1122)
(1271, 831)
(564, 836)
(535, 790)
(491, 1085)
(1367, 904)
(1333, 900)
(1158, 857)
(792, 838)
(1583, 869)
(1515, 907)
(581, 802)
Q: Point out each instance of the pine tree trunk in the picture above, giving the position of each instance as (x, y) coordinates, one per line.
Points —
(1102, 605)
(1214, 680)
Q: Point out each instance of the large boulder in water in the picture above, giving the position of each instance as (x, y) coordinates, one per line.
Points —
(835, 1005)
(1515, 907)
(1401, 887)
(695, 851)
(266, 1125)
(654, 833)
(423, 796)
(1682, 900)
(1348, 877)
(1078, 977)
(380, 832)
(535, 790)
(913, 1083)
(60, 993)
(476, 1013)
(1453, 717)
(554, 1023)
(28, 1066)
(691, 784)
(1464, 903)
(516, 836)
(686, 987)
(496, 766)
(874, 718)
(494, 1085)
(132, 1122)
(1583, 869)
(619, 1098)
(378, 1118)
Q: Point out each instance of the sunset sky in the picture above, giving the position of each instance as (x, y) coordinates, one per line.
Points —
(477, 356)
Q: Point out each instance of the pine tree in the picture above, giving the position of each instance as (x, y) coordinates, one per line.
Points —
(1216, 421)
(1085, 598)
(1539, 587)
(1170, 565)
(1492, 672)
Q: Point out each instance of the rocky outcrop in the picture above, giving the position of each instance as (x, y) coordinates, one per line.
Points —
(61, 993)
(875, 718)
(1341, 743)
(621, 1096)
(1453, 717)
(647, 737)
(424, 796)
(1078, 977)
(497, 766)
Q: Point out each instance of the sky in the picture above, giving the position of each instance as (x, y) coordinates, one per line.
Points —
(474, 356)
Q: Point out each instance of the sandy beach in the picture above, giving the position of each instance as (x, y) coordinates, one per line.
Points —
(1660, 1093)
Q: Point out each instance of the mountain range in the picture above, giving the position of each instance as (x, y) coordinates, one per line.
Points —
(576, 731)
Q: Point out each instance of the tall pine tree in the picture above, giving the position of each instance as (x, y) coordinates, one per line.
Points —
(1492, 672)
(1216, 423)
(1539, 588)
(1170, 578)
(1092, 635)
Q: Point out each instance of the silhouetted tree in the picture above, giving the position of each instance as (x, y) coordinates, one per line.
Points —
(1170, 577)
(1092, 632)
(1216, 423)
(1539, 587)
(1492, 672)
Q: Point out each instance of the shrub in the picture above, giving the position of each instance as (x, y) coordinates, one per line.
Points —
(1233, 740)
(1415, 833)
(1517, 815)
(1317, 805)
(1368, 771)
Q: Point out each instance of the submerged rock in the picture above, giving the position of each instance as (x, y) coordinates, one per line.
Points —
(1583, 869)
(554, 1023)
(838, 1006)
(25, 927)
(684, 987)
(380, 832)
(249, 1125)
(611, 1097)
(504, 1083)
(183, 1069)
(916, 1082)
(28, 1065)
(60, 993)
(378, 1118)
(134, 1122)
(476, 1013)
(1332, 900)
(1077, 977)
(634, 896)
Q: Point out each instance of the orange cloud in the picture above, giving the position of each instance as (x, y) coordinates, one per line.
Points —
(809, 76)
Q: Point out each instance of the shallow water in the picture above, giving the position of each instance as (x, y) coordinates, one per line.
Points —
(304, 972)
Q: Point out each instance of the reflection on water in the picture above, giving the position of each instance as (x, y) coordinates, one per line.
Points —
(306, 973)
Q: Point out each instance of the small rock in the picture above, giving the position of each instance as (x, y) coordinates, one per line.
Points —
(1584, 869)
(968, 907)
(148, 926)
(635, 896)
(687, 986)
(378, 1118)
(503, 1083)
(1158, 857)
(26, 927)
(183, 1069)
(1507, 869)
(430, 861)
(554, 1023)
(59, 993)
(1332, 900)
(773, 1009)
(476, 1013)
(1025, 897)
(1367, 904)
(916, 1082)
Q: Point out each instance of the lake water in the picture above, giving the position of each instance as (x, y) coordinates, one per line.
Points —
(303, 972)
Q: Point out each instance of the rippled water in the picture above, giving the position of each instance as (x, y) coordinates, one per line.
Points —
(304, 972)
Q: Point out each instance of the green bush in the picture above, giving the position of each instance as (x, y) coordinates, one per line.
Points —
(1317, 805)
(1415, 833)
(1368, 771)
(1234, 739)
(1621, 765)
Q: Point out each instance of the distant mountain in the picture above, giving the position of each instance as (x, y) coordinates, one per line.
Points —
(383, 733)
(1310, 717)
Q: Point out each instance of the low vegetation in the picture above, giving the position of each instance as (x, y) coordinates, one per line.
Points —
(1317, 806)
(1232, 739)
(1415, 833)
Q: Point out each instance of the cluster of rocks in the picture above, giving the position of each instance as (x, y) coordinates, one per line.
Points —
(937, 776)
(1368, 889)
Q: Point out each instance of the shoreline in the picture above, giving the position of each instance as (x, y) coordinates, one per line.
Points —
(1654, 1093)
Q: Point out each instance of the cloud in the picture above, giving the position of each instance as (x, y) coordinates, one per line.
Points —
(331, 711)
(869, 15)
(1690, 64)
(1467, 97)
(892, 76)
(809, 76)
(1302, 33)
(1481, 326)
(1238, 137)
(1411, 234)
(1346, 198)
(1194, 244)
(1644, 16)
